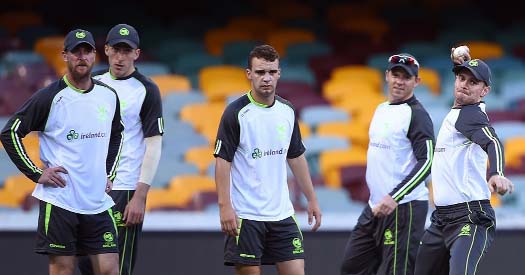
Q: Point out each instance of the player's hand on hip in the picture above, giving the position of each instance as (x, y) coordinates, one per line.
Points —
(51, 177)
(228, 221)
(500, 184)
(314, 212)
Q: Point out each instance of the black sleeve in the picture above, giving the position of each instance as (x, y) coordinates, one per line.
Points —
(296, 147)
(228, 135)
(151, 111)
(473, 123)
(115, 142)
(421, 135)
(32, 116)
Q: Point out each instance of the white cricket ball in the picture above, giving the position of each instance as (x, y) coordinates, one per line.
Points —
(461, 51)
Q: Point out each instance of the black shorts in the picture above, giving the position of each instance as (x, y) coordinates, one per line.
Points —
(62, 232)
(264, 243)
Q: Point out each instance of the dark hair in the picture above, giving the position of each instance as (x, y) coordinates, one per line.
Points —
(265, 52)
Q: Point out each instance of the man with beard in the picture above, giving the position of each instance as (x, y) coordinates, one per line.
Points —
(80, 133)
(258, 135)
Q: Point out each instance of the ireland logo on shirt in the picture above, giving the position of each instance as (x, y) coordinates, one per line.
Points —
(72, 135)
(256, 153)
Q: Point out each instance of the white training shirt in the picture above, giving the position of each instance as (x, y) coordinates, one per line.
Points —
(141, 111)
(400, 152)
(79, 130)
(257, 140)
(459, 171)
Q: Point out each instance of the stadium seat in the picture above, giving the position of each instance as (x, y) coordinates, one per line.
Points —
(330, 163)
(172, 103)
(201, 156)
(353, 179)
(354, 132)
(199, 114)
(334, 201)
(314, 115)
(15, 189)
(337, 90)
(171, 83)
(360, 73)
(515, 151)
(214, 39)
(236, 52)
(185, 187)
(485, 49)
(431, 79)
(151, 68)
(219, 82)
(316, 145)
(280, 39)
(509, 129)
(298, 74)
(299, 53)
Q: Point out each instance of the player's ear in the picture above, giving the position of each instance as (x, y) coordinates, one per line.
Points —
(64, 56)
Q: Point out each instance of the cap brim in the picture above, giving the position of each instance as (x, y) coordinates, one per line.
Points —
(125, 41)
(404, 66)
(78, 43)
(474, 72)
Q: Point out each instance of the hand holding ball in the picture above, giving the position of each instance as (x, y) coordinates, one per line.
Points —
(460, 54)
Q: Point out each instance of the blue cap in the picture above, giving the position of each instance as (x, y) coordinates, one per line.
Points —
(479, 69)
(77, 37)
(123, 33)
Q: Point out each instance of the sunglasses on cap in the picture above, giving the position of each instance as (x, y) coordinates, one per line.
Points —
(403, 59)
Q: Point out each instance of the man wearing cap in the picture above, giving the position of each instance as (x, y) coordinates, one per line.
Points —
(141, 110)
(385, 239)
(463, 224)
(80, 134)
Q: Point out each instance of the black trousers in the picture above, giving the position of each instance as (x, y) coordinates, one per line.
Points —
(128, 237)
(386, 245)
(457, 239)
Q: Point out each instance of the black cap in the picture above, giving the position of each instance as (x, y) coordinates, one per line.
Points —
(77, 37)
(405, 61)
(123, 33)
(479, 69)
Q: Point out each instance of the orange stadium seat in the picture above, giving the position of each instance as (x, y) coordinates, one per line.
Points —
(485, 49)
(50, 47)
(215, 39)
(209, 129)
(15, 189)
(186, 186)
(330, 163)
(159, 198)
(171, 83)
(514, 152)
(200, 114)
(336, 90)
(431, 79)
(359, 73)
(201, 156)
(305, 129)
(355, 132)
(360, 106)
